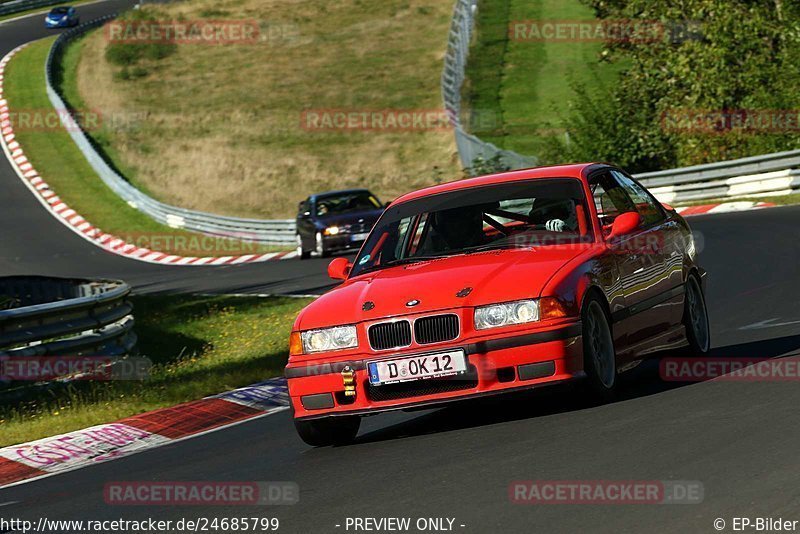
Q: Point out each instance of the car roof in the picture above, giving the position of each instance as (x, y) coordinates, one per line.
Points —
(340, 192)
(575, 170)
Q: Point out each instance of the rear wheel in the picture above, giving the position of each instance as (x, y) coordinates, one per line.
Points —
(302, 253)
(599, 355)
(329, 431)
(695, 317)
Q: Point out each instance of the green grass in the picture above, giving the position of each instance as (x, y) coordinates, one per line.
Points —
(223, 129)
(529, 85)
(58, 160)
(199, 346)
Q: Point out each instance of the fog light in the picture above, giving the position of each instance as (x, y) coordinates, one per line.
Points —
(349, 381)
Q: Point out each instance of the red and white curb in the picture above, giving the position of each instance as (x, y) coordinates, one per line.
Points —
(724, 207)
(61, 211)
(102, 443)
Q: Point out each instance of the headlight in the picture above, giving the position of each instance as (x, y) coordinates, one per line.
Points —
(508, 313)
(327, 339)
(332, 230)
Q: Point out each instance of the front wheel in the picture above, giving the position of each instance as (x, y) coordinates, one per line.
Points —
(328, 431)
(302, 253)
(695, 318)
(599, 355)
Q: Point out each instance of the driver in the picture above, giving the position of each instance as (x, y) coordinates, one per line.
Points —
(555, 215)
(458, 228)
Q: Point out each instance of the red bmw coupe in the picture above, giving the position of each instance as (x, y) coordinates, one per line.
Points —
(494, 284)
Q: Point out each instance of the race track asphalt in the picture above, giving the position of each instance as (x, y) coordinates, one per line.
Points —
(739, 439)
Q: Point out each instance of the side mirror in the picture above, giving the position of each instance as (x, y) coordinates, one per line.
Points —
(339, 268)
(625, 223)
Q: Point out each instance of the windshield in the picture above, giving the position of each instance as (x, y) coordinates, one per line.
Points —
(513, 215)
(347, 202)
(59, 11)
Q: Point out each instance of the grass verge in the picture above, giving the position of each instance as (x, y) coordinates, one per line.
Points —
(222, 125)
(529, 85)
(199, 346)
(58, 160)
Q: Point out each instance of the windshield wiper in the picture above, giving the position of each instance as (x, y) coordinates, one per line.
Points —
(412, 259)
(490, 246)
(399, 261)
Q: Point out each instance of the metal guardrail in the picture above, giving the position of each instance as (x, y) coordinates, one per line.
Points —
(753, 176)
(275, 232)
(470, 148)
(62, 316)
(16, 6)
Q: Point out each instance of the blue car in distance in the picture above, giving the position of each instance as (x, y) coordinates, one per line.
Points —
(62, 17)
(336, 221)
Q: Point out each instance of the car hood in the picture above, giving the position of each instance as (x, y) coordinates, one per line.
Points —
(369, 216)
(494, 276)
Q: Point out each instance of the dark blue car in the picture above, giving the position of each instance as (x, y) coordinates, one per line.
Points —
(336, 221)
(62, 17)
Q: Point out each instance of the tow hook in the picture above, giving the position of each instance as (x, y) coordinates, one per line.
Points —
(349, 381)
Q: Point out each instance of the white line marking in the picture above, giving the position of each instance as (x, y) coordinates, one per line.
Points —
(768, 323)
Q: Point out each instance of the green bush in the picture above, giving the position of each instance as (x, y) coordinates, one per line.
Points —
(123, 54)
(481, 166)
(735, 56)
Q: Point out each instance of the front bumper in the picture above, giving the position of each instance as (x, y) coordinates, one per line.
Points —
(342, 242)
(496, 365)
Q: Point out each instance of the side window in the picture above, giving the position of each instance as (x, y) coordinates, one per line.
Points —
(610, 199)
(303, 207)
(647, 207)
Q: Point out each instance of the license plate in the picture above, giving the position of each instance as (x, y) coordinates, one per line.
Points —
(417, 367)
(358, 237)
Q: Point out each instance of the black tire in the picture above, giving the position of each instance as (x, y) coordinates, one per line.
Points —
(302, 253)
(328, 431)
(599, 354)
(695, 318)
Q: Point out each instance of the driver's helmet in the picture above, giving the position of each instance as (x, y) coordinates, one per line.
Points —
(547, 209)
